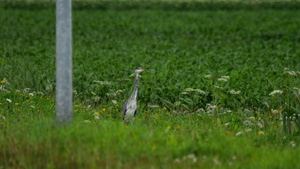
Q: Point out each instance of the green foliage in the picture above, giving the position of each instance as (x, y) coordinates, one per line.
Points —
(206, 95)
(158, 138)
(179, 47)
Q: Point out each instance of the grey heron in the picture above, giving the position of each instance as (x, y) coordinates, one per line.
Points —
(130, 108)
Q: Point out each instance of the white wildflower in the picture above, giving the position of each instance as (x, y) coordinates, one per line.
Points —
(177, 103)
(194, 90)
(119, 91)
(193, 157)
(248, 130)
(259, 125)
(266, 104)
(31, 94)
(189, 89)
(238, 133)
(134, 75)
(177, 160)
(41, 93)
(114, 102)
(96, 117)
(233, 92)
(111, 94)
(199, 91)
(9, 100)
(26, 90)
(207, 76)
(218, 87)
(273, 93)
(96, 98)
(297, 90)
(222, 80)
(49, 87)
(292, 143)
(210, 107)
(247, 111)
(32, 107)
(200, 110)
(228, 111)
(286, 69)
(226, 124)
(217, 162)
(103, 83)
(247, 123)
(153, 106)
(86, 121)
(292, 73)
(225, 77)
(252, 118)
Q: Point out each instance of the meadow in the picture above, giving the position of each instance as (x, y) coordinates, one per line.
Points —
(222, 91)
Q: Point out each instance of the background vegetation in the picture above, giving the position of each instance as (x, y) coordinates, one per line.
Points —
(205, 101)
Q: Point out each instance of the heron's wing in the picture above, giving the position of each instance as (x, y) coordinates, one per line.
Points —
(136, 111)
(124, 110)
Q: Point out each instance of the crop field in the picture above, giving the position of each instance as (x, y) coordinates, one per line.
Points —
(222, 89)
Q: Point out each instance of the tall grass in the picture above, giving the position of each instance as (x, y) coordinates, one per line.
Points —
(222, 90)
(158, 138)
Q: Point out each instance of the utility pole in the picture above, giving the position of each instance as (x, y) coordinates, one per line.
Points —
(64, 89)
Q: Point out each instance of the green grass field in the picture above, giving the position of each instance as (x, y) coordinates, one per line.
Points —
(207, 100)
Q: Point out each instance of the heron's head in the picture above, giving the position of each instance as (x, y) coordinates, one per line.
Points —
(140, 69)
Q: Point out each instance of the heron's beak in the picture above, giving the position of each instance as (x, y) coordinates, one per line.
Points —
(145, 68)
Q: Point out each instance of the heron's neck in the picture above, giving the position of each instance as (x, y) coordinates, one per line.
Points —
(136, 87)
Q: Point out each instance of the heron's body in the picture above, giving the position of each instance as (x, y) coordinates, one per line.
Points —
(131, 111)
(130, 108)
